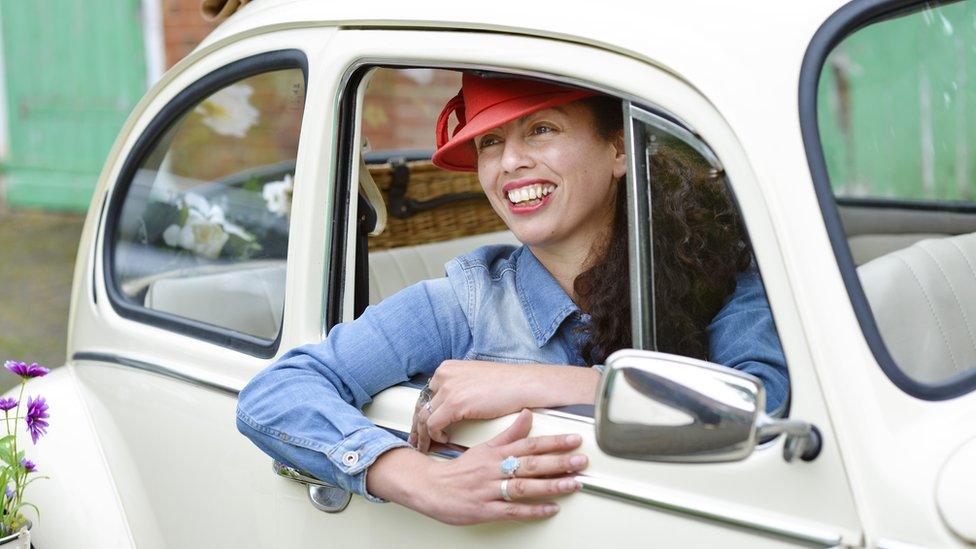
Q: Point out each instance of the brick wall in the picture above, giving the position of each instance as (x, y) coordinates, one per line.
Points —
(183, 28)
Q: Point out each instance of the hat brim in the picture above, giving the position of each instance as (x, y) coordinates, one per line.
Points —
(459, 153)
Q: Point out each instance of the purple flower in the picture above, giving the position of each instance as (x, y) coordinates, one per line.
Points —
(36, 414)
(25, 370)
(10, 492)
(7, 404)
(29, 465)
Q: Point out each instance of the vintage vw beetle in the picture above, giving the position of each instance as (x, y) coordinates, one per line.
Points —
(843, 132)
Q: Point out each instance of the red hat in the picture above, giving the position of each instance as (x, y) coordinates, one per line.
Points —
(486, 103)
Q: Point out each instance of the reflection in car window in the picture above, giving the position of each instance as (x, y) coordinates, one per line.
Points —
(203, 230)
(897, 120)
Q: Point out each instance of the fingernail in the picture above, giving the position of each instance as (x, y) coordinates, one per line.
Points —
(551, 508)
(567, 485)
(577, 461)
(574, 439)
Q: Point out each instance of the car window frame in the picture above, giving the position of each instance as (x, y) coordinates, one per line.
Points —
(841, 24)
(643, 317)
(154, 131)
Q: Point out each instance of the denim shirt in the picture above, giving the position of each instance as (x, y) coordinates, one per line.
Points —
(497, 303)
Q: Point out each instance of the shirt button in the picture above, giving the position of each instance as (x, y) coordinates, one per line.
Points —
(350, 458)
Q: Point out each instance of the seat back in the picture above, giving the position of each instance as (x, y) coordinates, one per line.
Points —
(397, 268)
(251, 300)
(923, 298)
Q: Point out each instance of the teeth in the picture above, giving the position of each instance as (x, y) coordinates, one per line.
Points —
(529, 193)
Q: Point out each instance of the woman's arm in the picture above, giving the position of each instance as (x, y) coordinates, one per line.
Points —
(742, 336)
(304, 409)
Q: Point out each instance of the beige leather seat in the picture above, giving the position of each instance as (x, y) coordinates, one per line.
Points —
(924, 301)
(251, 300)
(246, 300)
(392, 270)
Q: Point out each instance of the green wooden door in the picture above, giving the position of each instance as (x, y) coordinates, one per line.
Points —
(74, 70)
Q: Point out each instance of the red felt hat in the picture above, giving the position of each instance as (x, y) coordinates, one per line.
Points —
(486, 103)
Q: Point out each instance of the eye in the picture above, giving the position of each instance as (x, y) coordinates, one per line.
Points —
(487, 141)
(542, 128)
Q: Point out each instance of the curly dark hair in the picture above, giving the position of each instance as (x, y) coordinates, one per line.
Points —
(699, 246)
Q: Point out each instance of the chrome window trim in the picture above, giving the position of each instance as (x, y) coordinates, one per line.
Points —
(150, 367)
(640, 244)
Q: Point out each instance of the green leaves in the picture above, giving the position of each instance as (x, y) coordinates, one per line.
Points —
(8, 455)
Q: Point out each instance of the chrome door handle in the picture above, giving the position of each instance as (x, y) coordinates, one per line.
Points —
(323, 496)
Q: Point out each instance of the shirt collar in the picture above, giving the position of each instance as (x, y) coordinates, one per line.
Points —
(544, 301)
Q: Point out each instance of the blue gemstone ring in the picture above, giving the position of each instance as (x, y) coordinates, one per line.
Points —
(509, 466)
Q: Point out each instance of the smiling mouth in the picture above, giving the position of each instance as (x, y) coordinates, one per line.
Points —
(529, 195)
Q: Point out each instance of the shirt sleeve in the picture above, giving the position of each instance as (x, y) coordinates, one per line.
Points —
(305, 409)
(742, 336)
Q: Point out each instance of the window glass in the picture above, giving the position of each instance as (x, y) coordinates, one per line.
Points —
(897, 107)
(897, 120)
(203, 230)
(708, 298)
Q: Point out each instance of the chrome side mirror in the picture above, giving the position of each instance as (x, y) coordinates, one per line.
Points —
(661, 407)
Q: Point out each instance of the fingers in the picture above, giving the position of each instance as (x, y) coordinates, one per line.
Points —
(548, 465)
(441, 418)
(519, 429)
(507, 510)
(535, 488)
(552, 444)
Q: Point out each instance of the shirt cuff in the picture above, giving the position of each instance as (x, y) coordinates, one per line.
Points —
(355, 453)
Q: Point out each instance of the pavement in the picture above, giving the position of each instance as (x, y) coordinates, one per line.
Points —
(37, 257)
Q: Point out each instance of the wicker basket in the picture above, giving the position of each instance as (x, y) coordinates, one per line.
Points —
(445, 222)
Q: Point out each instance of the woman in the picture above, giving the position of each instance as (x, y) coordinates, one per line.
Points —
(504, 329)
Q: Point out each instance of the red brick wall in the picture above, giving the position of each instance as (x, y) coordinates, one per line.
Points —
(183, 28)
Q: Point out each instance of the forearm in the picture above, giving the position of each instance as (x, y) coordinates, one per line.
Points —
(549, 385)
(393, 475)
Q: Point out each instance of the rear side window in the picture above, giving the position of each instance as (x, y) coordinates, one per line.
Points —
(895, 112)
(202, 232)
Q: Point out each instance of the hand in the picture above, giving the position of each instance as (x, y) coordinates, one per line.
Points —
(474, 389)
(467, 490)
(469, 389)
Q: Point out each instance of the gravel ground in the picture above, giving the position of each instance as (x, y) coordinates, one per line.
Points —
(37, 257)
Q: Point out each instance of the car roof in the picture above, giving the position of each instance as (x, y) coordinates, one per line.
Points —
(700, 40)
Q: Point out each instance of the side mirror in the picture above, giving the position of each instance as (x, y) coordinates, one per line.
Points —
(661, 407)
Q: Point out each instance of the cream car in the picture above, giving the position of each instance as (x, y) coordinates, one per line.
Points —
(230, 224)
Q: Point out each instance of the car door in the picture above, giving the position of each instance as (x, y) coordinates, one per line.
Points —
(182, 294)
(761, 501)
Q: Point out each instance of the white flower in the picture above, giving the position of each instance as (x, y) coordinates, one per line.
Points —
(205, 230)
(229, 111)
(278, 195)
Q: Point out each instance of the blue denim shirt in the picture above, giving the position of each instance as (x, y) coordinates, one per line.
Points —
(497, 303)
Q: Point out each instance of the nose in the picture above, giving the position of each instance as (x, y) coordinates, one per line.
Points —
(515, 155)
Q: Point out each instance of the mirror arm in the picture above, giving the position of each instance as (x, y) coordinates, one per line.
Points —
(803, 439)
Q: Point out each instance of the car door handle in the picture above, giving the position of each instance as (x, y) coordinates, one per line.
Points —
(323, 496)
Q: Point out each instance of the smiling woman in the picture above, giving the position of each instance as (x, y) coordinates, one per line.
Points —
(511, 327)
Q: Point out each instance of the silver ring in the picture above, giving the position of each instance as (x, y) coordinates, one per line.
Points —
(509, 465)
(428, 408)
(504, 487)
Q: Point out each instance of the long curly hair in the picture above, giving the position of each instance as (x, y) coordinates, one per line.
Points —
(699, 245)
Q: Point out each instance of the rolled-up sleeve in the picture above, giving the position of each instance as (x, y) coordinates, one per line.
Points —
(743, 336)
(305, 409)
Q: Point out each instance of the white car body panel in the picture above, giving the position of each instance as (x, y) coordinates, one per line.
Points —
(712, 64)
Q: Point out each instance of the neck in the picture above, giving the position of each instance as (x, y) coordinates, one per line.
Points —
(564, 262)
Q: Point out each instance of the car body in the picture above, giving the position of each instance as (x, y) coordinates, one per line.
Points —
(143, 450)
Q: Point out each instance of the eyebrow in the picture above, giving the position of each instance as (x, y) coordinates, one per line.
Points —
(559, 109)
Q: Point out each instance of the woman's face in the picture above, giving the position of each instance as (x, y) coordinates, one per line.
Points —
(551, 176)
